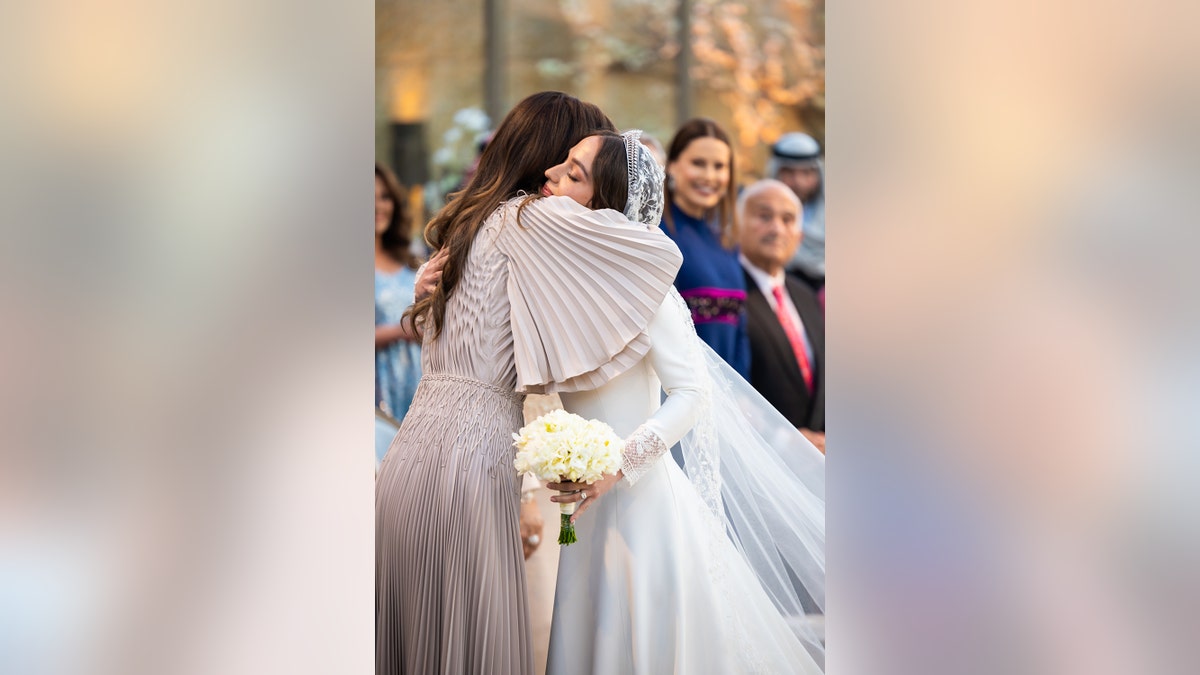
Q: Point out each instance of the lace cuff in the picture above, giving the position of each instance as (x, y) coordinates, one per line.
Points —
(642, 450)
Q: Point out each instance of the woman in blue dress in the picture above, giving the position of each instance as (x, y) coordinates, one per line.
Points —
(397, 347)
(700, 219)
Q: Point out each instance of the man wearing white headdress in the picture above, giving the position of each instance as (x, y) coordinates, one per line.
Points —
(796, 162)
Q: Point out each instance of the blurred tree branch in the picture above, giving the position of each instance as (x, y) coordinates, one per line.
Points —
(762, 60)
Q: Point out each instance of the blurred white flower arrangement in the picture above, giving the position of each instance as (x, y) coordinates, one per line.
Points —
(460, 145)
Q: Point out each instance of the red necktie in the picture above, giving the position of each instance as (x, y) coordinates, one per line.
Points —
(793, 335)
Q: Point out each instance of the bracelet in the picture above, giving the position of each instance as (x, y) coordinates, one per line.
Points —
(527, 496)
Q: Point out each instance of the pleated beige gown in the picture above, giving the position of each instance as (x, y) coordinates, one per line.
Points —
(558, 302)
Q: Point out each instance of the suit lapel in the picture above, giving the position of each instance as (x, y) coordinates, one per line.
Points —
(810, 313)
(757, 304)
(814, 323)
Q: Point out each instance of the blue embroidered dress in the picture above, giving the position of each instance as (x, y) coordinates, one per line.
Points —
(398, 365)
(713, 284)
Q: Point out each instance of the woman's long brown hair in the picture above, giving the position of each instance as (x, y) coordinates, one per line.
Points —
(536, 135)
(702, 127)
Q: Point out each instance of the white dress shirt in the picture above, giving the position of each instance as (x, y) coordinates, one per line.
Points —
(767, 283)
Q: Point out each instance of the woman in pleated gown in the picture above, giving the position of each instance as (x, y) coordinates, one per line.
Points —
(450, 580)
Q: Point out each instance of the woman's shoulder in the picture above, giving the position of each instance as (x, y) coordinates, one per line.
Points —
(576, 273)
(698, 243)
(566, 222)
(561, 207)
(500, 219)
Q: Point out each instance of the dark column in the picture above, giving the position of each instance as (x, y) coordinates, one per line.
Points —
(495, 72)
(410, 157)
(683, 65)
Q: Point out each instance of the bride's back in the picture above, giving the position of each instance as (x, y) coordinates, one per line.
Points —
(623, 403)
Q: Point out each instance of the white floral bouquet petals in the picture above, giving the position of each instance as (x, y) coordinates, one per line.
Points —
(561, 447)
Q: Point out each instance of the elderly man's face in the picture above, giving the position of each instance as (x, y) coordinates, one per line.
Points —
(804, 180)
(770, 229)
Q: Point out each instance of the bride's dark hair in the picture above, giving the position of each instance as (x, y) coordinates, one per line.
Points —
(537, 134)
(610, 173)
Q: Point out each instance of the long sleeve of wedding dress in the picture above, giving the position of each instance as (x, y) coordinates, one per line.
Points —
(684, 386)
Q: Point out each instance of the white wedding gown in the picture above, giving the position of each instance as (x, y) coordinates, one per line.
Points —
(653, 585)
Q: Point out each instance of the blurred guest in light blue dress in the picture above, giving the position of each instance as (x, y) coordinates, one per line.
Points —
(397, 347)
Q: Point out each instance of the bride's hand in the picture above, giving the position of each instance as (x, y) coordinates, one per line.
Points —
(576, 492)
(431, 275)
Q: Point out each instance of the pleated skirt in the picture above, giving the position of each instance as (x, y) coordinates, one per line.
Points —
(449, 572)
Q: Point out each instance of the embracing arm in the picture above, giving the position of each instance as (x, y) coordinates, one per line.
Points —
(582, 286)
(683, 380)
(428, 276)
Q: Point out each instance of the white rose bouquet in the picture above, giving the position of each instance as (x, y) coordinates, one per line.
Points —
(560, 447)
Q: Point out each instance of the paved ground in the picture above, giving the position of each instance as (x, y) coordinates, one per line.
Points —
(541, 569)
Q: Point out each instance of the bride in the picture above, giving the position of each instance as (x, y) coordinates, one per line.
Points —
(713, 568)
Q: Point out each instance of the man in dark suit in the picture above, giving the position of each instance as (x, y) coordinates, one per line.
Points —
(786, 325)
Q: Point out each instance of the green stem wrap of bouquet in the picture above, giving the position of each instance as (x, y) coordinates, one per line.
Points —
(566, 531)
